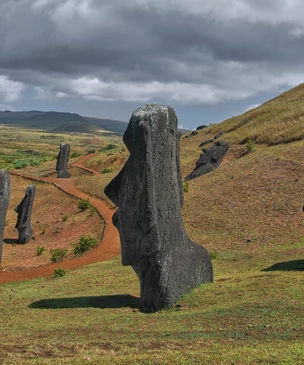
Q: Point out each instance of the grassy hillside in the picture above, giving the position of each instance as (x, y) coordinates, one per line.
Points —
(52, 120)
(280, 120)
(247, 213)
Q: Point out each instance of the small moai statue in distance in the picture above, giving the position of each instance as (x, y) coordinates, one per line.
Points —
(62, 161)
(149, 196)
(4, 200)
(24, 210)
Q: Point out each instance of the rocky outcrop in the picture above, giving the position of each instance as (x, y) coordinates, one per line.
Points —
(4, 200)
(24, 211)
(62, 161)
(209, 160)
(148, 192)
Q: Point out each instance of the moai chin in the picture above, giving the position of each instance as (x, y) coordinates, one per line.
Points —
(62, 161)
(24, 210)
(4, 201)
(148, 193)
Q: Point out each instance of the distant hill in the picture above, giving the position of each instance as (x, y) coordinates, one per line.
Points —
(115, 126)
(78, 127)
(53, 120)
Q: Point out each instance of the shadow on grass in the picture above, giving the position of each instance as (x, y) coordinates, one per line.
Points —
(102, 302)
(295, 265)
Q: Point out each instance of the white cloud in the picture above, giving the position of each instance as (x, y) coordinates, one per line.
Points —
(252, 107)
(10, 91)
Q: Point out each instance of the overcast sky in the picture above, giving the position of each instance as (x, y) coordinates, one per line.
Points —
(209, 59)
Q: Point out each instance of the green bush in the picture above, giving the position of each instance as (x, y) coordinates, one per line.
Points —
(19, 164)
(40, 250)
(186, 187)
(65, 218)
(75, 154)
(84, 244)
(59, 272)
(93, 211)
(106, 170)
(212, 255)
(84, 204)
(58, 254)
(110, 146)
(250, 145)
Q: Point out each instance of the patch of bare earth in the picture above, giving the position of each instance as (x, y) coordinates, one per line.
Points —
(57, 222)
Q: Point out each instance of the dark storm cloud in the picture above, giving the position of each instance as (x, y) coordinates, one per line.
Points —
(190, 51)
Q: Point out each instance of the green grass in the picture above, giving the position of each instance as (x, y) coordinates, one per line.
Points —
(247, 316)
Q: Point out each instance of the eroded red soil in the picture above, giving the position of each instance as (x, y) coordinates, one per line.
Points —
(108, 248)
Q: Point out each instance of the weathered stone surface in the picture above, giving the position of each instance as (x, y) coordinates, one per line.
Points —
(62, 161)
(148, 192)
(219, 135)
(204, 143)
(24, 210)
(209, 160)
(192, 134)
(4, 200)
(203, 126)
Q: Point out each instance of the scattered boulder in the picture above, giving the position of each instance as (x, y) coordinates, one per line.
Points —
(62, 161)
(209, 160)
(219, 135)
(201, 127)
(192, 134)
(148, 192)
(4, 200)
(33, 152)
(204, 143)
(24, 211)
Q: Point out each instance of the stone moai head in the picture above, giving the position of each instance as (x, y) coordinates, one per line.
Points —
(4, 201)
(24, 210)
(148, 192)
(62, 161)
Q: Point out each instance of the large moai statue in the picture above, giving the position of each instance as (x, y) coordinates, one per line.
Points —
(4, 200)
(24, 210)
(148, 192)
(62, 161)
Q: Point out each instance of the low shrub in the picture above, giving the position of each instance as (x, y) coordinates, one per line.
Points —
(110, 146)
(84, 204)
(106, 170)
(59, 272)
(58, 254)
(212, 255)
(84, 244)
(40, 250)
(186, 187)
(250, 145)
(75, 154)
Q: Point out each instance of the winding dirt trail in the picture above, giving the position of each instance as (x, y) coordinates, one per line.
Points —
(108, 248)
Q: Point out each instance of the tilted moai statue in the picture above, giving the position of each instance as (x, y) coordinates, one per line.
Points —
(209, 160)
(148, 192)
(4, 200)
(24, 210)
(62, 161)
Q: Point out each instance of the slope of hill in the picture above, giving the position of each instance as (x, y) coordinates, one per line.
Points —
(277, 121)
(78, 127)
(51, 120)
(115, 126)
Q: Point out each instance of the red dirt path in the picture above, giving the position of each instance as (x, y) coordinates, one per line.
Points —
(108, 248)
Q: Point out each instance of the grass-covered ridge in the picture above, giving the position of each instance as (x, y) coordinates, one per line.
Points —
(247, 213)
(280, 120)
